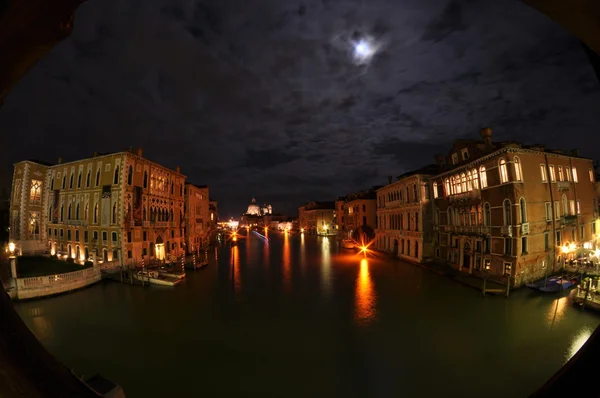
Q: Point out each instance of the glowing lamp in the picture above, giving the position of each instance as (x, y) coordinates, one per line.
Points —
(302, 230)
(572, 246)
(565, 249)
(11, 247)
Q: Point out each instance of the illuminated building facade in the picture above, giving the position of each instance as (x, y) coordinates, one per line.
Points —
(512, 210)
(213, 208)
(404, 213)
(256, 216)
(112, 205)
(197, 216)
(317, 218)
(360, 209)
(339, 214)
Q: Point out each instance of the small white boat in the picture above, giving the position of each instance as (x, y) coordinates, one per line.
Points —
(171, 274)
(155, 278)
(348, 244)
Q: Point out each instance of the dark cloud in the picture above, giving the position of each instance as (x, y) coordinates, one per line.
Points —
(265, 98)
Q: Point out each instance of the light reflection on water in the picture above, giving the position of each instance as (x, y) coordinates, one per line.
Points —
(326, 266)
(237, 278)
(365, 295)
(578, 341)
(556, 311)
(287, 263)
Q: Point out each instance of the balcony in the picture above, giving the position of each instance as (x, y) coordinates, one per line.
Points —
(506, 230)
(568, 220)
(563, 185)
(525, 228)
(475, 194)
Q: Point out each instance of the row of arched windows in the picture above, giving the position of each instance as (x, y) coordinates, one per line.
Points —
(402, 194)
(402, 221)
(477, 179)
(88, 179)
(465, 216)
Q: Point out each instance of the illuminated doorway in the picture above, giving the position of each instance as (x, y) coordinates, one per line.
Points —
(159, 249)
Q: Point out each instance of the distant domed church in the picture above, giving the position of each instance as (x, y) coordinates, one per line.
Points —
(254, 216)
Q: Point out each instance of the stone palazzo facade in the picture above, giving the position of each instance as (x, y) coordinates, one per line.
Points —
(513, 211)
(118, 206)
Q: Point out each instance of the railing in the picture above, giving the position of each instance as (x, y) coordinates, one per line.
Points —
(39, 286)
(563, 185)
(568, 220)
(506, 230)
(468, 229)
(469, 195)
(525, 228)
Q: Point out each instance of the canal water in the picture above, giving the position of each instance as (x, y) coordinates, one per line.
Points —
(297, 316)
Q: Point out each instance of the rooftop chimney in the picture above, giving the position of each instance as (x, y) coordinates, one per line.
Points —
(439, 159)
(486, 135)
(140, 152)
(389, 179)
(178, 170)
(59, 159)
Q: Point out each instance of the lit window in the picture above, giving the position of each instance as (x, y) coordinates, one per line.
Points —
(565, 208)
(591, 175)
(35, 194)
(543, 173)
(523, 210)
(578, 207)
(463, 182)
(518, 172)
(575, 175)
(503, 171)
(560, 173)
(435, 190)
(447, 184)
(475, 179)
(572, 207)
(552, 175)
(568, 174)
(483, 177)
(469, 184)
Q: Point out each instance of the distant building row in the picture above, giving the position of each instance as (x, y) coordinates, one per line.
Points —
(112, 205)
(511, 210)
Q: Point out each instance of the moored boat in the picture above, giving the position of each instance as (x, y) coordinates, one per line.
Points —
(560, 285)
(542, 282)
(155, 278)
(198, 265)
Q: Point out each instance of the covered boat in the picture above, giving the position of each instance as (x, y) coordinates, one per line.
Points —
(560, 285)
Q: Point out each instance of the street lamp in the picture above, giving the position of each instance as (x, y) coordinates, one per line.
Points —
(11, 248)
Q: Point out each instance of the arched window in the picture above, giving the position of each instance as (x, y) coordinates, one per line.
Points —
(469, 182)
(130, 175)
(449, 215)
(79, 180)
(417, 248)
(98, 178)
(523, 210)
(62, 213)
(96, 213)
(435, 190)
(69, 212)
(52, 183)
(114, 214)
(475, 179)
(463, 182)
(64, 184)
(483, 177)
(503, 171)
(456, 217)
(401, 222)
(518, 171)
(77, 212)
(145, 179)
(145, 214)
(506, 210)
(86, 213)
(487, 215)
(116, 177)
(406, 189)
(71, 181)
(448, 191)
(565, 204)
(415, 195)
(88, 179)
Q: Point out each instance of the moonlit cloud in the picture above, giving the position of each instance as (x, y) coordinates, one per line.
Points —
(270, 98)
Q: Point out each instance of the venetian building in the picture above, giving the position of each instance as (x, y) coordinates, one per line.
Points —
(317, 218)
(112, 206)
(197, 216)
(515, 212)
(360, 210)
(404, 213)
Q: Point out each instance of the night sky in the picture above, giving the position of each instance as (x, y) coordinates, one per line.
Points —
(268, 98)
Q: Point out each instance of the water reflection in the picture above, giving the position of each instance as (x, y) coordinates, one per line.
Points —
(287, 267)
(556, 311)
(42, 327)
(578, 341)
(235, 267)
(302, 253)
(326, 265)
(365, 295)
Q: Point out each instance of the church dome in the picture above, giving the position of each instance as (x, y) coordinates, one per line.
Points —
(253, 208)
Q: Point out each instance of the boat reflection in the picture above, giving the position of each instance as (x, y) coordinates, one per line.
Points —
(326, 266)
(365, 296)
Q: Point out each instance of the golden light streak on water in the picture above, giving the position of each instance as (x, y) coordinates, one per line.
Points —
(365, 295)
